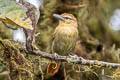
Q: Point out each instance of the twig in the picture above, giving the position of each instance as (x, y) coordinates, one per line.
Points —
(73, 6)
(75, 59)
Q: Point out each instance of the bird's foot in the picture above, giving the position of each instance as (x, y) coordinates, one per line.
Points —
(55, 55)
(74, 57)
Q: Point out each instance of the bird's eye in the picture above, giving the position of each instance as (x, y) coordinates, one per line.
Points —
(67, 17)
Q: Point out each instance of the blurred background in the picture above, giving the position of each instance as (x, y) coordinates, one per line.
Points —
(99, 34)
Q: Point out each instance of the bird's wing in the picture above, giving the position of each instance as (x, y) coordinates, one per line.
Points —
(55, 32)
(53, 37)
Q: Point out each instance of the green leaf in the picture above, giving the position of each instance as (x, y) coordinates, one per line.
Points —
(15, 14)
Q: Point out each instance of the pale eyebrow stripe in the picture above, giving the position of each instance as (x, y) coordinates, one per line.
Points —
(69, 17)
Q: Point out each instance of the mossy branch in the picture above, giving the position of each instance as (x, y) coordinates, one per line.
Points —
(75, 59)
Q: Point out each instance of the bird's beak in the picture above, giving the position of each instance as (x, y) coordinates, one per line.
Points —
(59, 17)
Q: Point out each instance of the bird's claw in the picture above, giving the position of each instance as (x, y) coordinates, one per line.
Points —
(74, 58)
(55, 55)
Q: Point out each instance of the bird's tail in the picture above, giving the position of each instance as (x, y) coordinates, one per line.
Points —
(53, 68)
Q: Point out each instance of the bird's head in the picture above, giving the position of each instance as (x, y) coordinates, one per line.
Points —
(66, 19)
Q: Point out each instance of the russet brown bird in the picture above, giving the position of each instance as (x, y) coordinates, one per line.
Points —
(64, 39)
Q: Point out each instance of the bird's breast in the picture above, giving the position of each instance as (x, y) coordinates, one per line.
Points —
(65, 40)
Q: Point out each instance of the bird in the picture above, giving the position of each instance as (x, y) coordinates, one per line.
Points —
(64, 39)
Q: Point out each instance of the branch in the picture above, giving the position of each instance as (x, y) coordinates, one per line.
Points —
(75, 59)
(73, 6)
